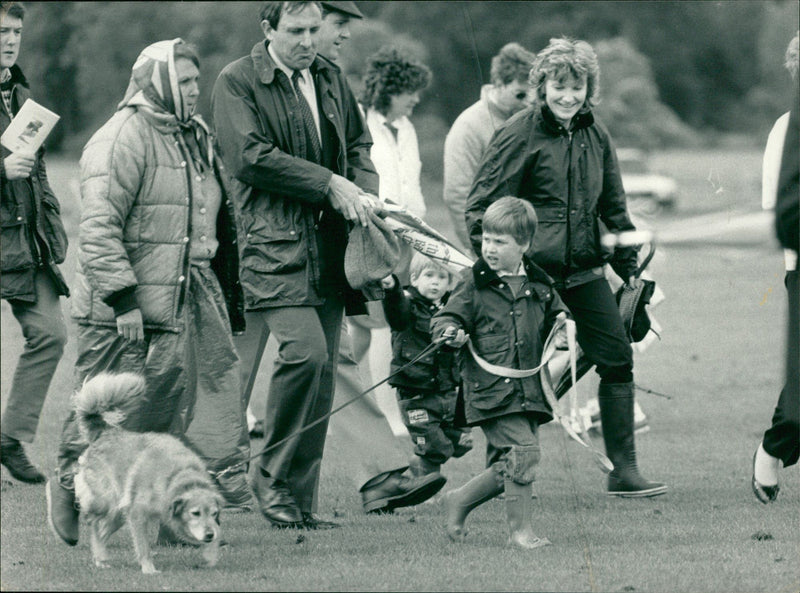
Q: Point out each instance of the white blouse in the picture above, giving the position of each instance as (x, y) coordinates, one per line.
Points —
(397, 162)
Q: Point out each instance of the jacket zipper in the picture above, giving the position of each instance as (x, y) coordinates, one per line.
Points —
(186, 275)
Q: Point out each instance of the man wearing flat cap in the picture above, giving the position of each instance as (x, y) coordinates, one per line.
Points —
(291, 135)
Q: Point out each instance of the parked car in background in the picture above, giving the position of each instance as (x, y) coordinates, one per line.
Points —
(648, 192)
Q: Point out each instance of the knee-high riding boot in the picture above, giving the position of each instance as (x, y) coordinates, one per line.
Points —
(461, 501)
(616, 414)
(518, 513)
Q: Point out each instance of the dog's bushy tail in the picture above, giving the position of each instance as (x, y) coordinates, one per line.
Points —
(99, 402)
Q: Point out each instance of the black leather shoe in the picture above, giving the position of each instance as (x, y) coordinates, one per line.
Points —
(277, 503)
(13, 456)
(311, 521)
(62, 512)
(399, 490)
(765, 494)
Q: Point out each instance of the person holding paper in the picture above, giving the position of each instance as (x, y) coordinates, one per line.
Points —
(32, 245)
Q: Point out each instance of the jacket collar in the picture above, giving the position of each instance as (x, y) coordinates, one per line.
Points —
(414, 295)
(583, 119)
(484, 275)
(266, 67)
(17, 77)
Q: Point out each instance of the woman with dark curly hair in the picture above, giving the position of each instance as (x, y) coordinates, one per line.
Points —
(392, 85)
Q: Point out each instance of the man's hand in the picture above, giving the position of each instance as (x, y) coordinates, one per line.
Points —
(388, 282)
(18, 165)
(130, 326)
(347, 199)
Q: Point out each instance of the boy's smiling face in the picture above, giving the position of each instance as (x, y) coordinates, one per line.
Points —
(502, 252)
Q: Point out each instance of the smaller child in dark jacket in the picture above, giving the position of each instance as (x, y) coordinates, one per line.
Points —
(508, 306)
(426, 391)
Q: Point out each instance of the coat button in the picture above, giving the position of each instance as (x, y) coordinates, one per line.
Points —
(183, 163)
(292, 232)
(181, 278)
(507, 380)
(19, 218)
(186, 239)
(202, 210)
(528, 292)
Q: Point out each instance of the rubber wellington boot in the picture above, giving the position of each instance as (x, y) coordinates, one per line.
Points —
(518, 513)
(616, 414)
(461, 501)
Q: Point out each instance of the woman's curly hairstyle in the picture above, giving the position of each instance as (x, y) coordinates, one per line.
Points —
(567, 57)
(390, 73)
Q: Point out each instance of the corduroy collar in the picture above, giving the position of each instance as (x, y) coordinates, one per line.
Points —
(583, 119)
(266, 67)
(484, 275)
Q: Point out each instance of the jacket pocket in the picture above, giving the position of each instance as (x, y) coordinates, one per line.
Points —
(488, 391)
(54, 230)
(271, 250)
(15, 253)
(550, 241)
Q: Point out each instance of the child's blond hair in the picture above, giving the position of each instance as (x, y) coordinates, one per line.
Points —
(420, 263)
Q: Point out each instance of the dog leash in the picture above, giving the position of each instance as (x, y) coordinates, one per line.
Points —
(546, 380)
(433, 347)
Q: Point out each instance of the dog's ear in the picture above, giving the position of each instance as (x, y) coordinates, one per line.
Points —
(178, 505)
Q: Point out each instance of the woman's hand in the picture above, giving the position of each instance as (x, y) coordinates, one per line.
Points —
(388, 282)
(130, 326)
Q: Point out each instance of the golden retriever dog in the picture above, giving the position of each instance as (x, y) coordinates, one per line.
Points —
(145, 479)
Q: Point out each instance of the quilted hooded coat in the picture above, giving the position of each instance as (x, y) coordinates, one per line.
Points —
(136, 199)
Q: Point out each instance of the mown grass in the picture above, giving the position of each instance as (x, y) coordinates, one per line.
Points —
(719, 361)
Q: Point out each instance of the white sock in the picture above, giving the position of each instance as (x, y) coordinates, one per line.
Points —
(765, 467)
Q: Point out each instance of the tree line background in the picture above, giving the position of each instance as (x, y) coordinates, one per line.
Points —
(672, 73)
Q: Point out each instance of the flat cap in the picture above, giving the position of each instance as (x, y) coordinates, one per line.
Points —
(348, 8)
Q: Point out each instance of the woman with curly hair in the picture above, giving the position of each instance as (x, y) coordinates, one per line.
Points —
(392, 85)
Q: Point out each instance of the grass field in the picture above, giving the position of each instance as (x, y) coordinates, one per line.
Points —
(719, 361)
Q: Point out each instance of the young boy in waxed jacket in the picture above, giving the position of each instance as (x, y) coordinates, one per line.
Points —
(508, 306)
(426, 391)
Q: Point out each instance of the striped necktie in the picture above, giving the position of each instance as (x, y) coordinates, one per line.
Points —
(312, 136)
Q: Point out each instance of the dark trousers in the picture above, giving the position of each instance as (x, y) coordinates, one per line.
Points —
(45, 335)
(430, 420)
(300, 392)
(782, 439)
(600, 332)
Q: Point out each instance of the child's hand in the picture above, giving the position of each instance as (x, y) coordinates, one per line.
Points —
(454, 337)
(560, 339)
(388, 282)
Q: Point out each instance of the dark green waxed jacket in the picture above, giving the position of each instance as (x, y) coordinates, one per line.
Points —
(572, 179)
(506, 330)
(28, 240)
(291, 240)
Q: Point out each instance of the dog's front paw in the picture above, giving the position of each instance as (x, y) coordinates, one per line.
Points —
(211, 554)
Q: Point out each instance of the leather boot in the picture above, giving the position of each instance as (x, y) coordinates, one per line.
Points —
(461, 501)
(518, 514)
(616, 414)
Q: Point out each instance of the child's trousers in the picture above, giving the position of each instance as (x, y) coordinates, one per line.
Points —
(429, 419)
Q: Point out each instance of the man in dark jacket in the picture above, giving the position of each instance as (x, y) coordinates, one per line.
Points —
(33, 244)
(291, 135)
